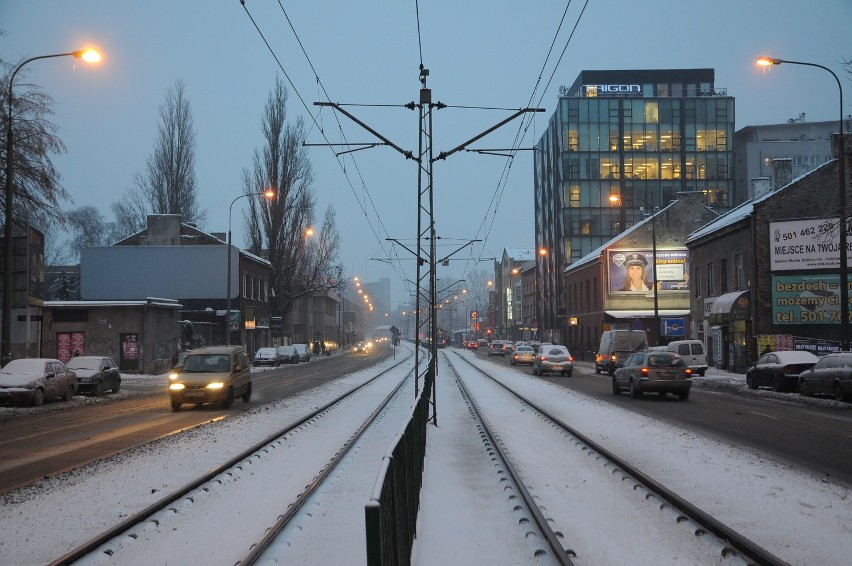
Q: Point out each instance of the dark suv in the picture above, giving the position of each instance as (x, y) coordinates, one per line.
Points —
(216, 374)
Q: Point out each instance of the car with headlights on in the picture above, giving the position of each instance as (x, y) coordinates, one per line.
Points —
(652, 371)
(287, 355)
(95, 374)
(831, 375)
(523, 355)
(779, 370)
(361, 348)
(35, 380)
(553, 358)
(216, 374)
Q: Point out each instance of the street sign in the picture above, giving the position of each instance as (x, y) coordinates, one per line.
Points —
(673, 326)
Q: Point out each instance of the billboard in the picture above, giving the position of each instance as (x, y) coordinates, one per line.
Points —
(806, 244)
(672, 270)
(806, 299)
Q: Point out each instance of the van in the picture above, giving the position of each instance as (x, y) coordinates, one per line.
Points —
(615, 346)
(216, 374)
(692, 352)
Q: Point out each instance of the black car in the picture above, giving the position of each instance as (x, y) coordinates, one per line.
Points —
(779, 370)
(831, 375)
(95, 374)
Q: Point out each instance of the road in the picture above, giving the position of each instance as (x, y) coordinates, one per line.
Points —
(57, 437)
(814, 436)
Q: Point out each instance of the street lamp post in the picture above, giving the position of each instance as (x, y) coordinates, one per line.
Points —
(617, 199)
(268, 195)
(841, 203)
(539, 317)
(89, 56)
(514, 271)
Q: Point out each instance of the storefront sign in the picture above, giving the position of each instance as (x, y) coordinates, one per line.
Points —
(609, 90)
(806, 299)
(672, 270)
(807, 244)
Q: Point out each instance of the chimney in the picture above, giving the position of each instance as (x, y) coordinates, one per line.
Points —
(782, 172)
(760, 186)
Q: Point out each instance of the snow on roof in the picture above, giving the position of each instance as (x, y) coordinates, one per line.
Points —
(149, 301)
(520, 254)
(744, 210)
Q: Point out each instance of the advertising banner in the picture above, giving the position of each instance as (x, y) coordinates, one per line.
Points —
(672, 270)
(807, 244)
(806, 299)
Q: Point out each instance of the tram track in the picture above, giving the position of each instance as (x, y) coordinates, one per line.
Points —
(678, 521)
(232, 482)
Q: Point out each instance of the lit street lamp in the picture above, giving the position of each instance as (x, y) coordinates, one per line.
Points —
(89, 56)
(616, 199)
(514, 271)
(269, 195)
(841, 203)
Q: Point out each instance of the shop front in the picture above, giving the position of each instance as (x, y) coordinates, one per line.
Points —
(730, 344)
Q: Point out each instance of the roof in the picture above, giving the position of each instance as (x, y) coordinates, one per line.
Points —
(745, 210)
(519, 254)
(87, 304)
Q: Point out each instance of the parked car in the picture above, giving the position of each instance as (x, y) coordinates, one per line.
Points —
(287, 355)
(95, 374)
(551, 359)
(779, 370)
(216, 374)
(831, 375)
(266, 357)
(497, 348)
(523, 355)
(653, 371)
(360, 348)
(304, 352)
(35, 380)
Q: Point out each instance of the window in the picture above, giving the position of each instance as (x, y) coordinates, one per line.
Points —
(739, 279)
(710, 291)
(697, 282)
(723, 275)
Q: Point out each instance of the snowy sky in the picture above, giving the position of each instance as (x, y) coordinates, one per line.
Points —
(799, 516)
(485, 53)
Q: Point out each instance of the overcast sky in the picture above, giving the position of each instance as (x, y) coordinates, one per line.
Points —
(482, 53)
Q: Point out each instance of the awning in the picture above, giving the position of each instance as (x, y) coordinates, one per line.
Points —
(723, 305)
(646, 313)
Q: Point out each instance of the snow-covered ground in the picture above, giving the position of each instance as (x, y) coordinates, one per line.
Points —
(798, 516)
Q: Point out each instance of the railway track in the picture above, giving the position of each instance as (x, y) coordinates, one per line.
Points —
(597, 495)
(253, 497)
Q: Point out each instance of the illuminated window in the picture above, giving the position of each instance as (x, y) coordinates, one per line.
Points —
(574, 197)
(652, 112)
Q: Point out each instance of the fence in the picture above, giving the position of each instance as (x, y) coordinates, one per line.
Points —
(391, 513)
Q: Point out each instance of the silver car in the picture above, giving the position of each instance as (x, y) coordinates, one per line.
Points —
(35, 380)
(523, 355)
(652, 371)
(552, 359)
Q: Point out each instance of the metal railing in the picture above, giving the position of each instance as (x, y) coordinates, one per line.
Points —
(391, 513)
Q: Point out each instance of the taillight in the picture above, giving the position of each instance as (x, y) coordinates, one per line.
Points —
(644, 372)
(570, 358)
(688, 372)
(613, 357)
(541, 359)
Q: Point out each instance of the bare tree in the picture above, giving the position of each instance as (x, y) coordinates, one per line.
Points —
(168, 182)
(88, 229)
(302, 266)
(38, 191)
(131, 214)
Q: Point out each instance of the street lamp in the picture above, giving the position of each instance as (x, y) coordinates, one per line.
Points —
(616, 199)
(841, 203)
(269, 195)
(514, 271)
(89, 56)
(539, 317)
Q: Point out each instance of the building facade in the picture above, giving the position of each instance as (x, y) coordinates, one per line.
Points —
(644, 135)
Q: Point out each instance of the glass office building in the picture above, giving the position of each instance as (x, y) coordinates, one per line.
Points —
(644, 135)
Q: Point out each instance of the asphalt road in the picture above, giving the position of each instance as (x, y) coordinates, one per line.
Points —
(35, 443)
(814, 436)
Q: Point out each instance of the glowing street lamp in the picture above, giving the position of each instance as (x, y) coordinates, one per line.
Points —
(89, 56)
(841, 203)
(269, 196)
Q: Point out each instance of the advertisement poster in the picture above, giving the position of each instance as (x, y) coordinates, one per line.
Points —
(807, 244)
(129, 354)
(806, 299)
(632, 271)
(69, 343)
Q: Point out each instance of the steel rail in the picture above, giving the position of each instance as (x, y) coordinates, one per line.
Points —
(736, 540)
(137, 518)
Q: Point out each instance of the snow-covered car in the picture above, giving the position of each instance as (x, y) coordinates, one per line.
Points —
(304, 352)
(35, 380)
(95, 374)
(266, 357)
(287, 355)
(779, 370)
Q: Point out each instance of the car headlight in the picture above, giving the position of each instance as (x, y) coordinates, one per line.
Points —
(176, 386)
(216, 385)
(173, 376)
